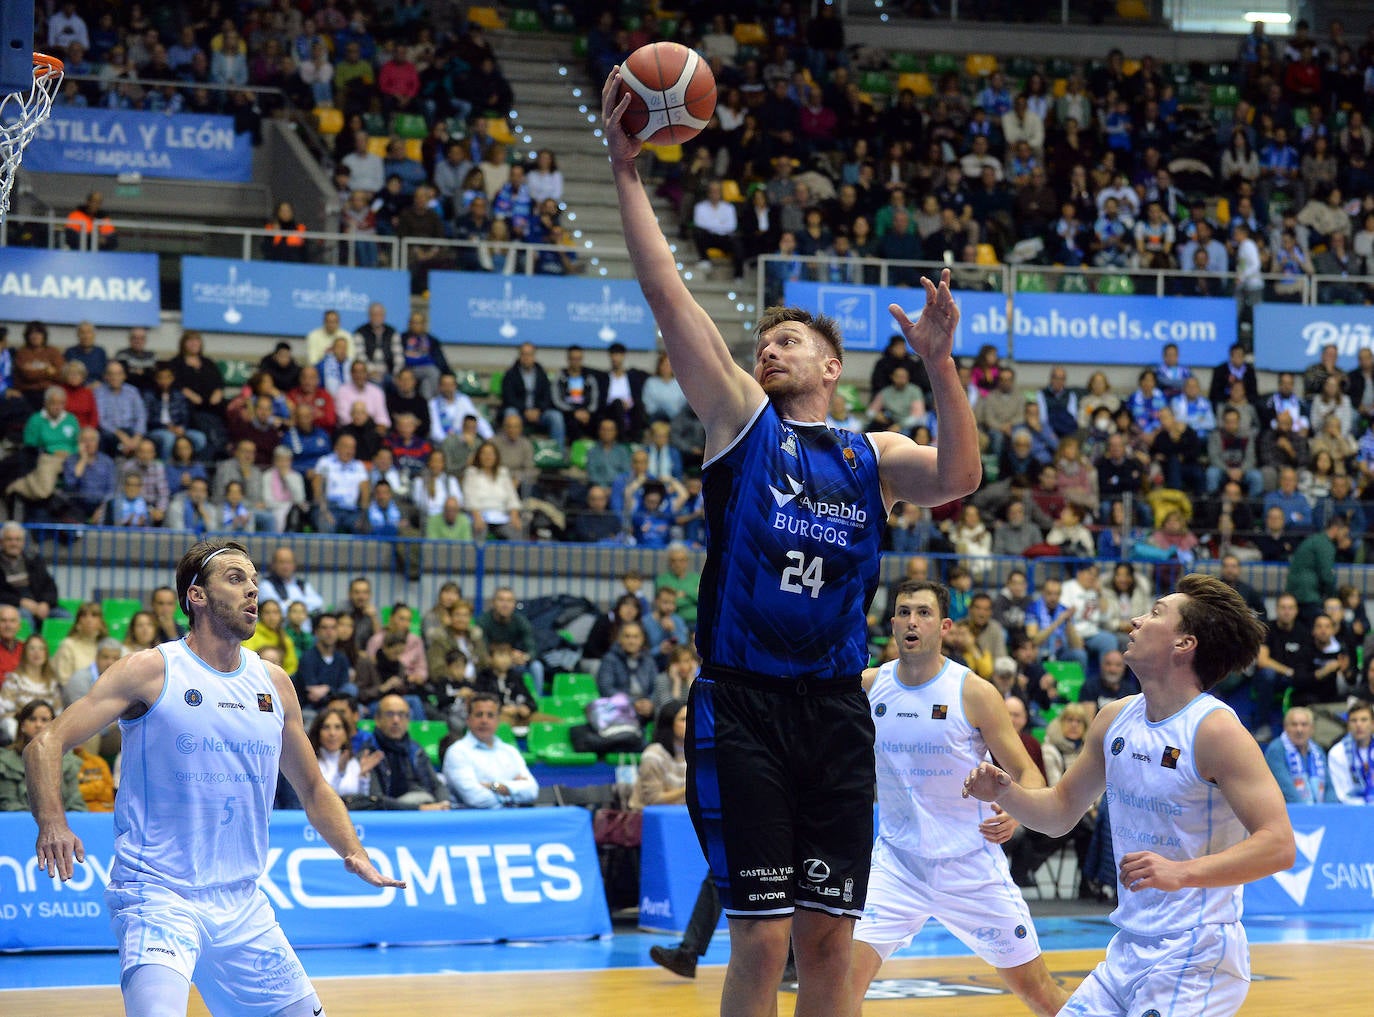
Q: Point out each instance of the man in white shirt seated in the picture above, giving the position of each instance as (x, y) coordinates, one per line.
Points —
(716, 224)
(449, 407)
(483, 772)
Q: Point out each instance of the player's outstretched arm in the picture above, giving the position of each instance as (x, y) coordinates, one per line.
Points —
(723, 395)
(1230, 758)
(953, 469)
(323, 807)
(1052, 810)
(134, 681)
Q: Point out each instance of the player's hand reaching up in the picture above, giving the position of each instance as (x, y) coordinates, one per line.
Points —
(613, 106)
(987, 783)
(361, 866)
(931, 336)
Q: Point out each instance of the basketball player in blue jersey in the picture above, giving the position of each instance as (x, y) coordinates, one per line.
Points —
(205, 725)
(936, 855)
(1185, 783)
(780, 743)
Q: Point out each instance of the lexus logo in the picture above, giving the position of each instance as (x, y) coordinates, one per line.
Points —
(816, 870)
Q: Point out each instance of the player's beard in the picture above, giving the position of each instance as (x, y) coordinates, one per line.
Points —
(232, 620)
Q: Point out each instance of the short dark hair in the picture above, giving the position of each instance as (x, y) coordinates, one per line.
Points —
(1228, 633)
(484, 697)
(909, 587)
(193, 567)
(822, 324)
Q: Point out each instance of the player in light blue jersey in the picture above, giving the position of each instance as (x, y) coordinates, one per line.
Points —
(206, 725)
(780, 743)
(1195, 812)
(937, 853)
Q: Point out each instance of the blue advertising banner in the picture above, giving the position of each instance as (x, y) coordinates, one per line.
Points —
(865, 323)
(473, 876)
(1334, 870)
(1290, 337)
(1091, 329)
(70, 287)
(181, 145)
(671, 869)
(272, 298)
(507, 310)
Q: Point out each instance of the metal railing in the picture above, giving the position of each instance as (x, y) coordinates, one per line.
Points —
(99, 562)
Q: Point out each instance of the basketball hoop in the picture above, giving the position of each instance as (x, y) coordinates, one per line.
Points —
(20, 115)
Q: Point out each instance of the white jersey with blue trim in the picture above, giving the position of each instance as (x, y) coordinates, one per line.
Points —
(199, 774)
(924, 748)
(1159, 802)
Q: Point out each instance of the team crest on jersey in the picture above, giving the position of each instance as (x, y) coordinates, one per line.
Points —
(880, 710)
(1150, 1013)
(1171, 757)
(939, 711)
(265, 702)
(789, 444)
(193, 697)
(1117, 745)
(851, 458)
(1020, 932)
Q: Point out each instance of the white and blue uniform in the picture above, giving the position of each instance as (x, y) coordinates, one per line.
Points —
(1178, 954)
(930, 860)
(199, 775)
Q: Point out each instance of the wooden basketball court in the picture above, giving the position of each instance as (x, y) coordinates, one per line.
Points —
(1291, 978)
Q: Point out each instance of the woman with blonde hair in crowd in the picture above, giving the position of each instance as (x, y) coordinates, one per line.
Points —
(76, 653)
(1099, 394)
(271, 631)
(142, 634)
(34, 678)
(490, 495)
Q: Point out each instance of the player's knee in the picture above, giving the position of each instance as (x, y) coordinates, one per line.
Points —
(152, 990)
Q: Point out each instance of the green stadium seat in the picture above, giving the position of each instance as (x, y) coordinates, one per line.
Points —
(565, 21)
(943, 63)
(852, 399)
(550, 743)
(367, 724)
(235, 372)
(1116, 285)
(575, 685)
(549, 455)
(495, 384)
(1068, 676)
(1073, 282)
(876, 83)
(1225, 96)
(1021, 67)
(69, 604)
(525, 21)
(25, 630)
(409, 125)
(577, 453)
(572, 710)
(428, 734)
(55, 630)
(374, 124)
(118, 611)
(470, 384)
(1032, 282)
(906, 63)
(1051, 712)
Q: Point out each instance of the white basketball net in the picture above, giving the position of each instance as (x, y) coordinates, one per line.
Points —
(20, 115)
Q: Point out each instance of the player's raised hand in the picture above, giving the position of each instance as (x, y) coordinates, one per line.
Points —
(58, 849)
(986, 783)
(931, 336)
(1145, 870)
(998, 828)
(613, 106)
(361, 866)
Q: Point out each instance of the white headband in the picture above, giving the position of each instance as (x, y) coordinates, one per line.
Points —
(185, 606)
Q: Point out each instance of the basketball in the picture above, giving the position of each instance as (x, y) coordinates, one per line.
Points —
(673, 93)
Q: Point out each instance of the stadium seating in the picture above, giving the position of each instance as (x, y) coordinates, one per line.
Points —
(550, 744)
(55, 630)
(575, 685)
(428, 734)
(1068, 676)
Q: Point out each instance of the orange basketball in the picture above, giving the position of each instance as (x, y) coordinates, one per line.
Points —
(673, 93)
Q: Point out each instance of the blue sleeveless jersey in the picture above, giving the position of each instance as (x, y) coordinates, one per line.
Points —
(794, 516)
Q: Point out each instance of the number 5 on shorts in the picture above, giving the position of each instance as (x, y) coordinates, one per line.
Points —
(803, 576)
